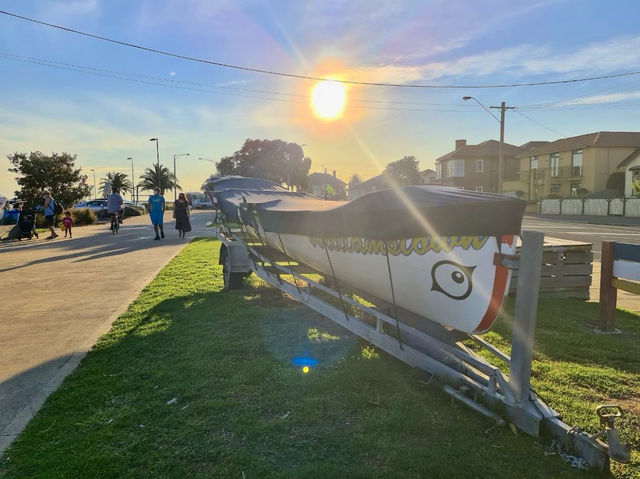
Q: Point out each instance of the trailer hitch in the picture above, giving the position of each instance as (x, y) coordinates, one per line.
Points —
(608, 413)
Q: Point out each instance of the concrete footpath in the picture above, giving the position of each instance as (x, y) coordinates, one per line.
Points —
(59, 296)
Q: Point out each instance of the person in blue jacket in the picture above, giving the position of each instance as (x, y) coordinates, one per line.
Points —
(156, 212)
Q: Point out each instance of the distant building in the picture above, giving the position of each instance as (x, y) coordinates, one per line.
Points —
(428, 176)
(579, 164)
(475, 167)
(329, 186)
(376, 183)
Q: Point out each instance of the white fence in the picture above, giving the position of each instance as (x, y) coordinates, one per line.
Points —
(591, 206)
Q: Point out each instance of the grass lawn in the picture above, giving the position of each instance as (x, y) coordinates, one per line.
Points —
(195, 382)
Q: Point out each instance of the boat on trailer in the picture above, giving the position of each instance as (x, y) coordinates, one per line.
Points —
(433, 265)
(428, 249)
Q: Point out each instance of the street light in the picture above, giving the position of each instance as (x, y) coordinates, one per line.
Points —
(502, 109)
(132, 178)
(94, 183)
(175, 178)
(206, 159)
(157, 151)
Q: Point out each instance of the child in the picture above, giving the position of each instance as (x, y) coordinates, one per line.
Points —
(68, 223)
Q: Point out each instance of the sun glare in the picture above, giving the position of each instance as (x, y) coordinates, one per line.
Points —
(327, 99)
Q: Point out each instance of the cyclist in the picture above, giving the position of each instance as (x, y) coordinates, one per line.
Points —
(114, 206)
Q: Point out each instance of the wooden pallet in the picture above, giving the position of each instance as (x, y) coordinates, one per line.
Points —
(566, 269)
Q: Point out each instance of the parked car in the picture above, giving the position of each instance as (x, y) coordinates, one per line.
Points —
(199, 201)
(202, 204)
(99, 207)
(93, 205)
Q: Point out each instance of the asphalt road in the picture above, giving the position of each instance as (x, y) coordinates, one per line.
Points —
(582, 231)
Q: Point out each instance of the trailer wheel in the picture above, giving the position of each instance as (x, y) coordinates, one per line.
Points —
(231, 280)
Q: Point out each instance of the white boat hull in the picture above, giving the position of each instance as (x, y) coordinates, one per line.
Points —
(450, 280)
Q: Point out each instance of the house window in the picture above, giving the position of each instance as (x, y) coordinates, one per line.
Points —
(555, 164)
(438, 171)
(455, 168)
(479, 166)
(576, 163)
(533, 163)
(479, 189)
(555, 188)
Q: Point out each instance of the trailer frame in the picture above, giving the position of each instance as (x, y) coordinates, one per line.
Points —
(462, 373)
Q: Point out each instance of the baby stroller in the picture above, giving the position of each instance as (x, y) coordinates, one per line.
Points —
(26, 225)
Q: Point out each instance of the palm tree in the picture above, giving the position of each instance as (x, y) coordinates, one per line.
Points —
(160, 177)
(117, 181)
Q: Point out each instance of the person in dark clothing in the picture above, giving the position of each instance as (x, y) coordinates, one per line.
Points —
(181, 214)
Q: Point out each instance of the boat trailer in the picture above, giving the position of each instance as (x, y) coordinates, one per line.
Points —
(440, 351)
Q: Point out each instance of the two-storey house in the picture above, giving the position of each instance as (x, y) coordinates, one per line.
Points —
(475, 167)
(576, 165)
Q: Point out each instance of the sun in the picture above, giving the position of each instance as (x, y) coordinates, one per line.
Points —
(328, 98)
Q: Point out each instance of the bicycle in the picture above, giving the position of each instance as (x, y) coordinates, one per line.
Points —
(115, 223)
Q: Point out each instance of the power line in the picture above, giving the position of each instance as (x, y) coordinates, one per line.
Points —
(76, 67)
(307, 77)
(185, 85)
(296, 98)
(538, 123)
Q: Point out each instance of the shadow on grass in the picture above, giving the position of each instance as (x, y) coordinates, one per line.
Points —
(193, 382)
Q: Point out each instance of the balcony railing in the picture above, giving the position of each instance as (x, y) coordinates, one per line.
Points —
(538, 174)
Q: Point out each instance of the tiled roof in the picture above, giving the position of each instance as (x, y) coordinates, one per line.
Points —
(629, 158)
(601, 138)
(530, 145)
(485, 149)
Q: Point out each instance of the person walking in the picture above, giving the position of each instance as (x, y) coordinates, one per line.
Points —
(67, 221)
(156, 212)
(49, 211)
(181, 214)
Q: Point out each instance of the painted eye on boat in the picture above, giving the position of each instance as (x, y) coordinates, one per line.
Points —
(452, 279)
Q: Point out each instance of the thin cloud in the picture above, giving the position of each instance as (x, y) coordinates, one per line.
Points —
(616, 54)
(599, 99)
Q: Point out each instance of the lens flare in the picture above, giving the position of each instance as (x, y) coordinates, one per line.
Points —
(305, 369)
(328, 99)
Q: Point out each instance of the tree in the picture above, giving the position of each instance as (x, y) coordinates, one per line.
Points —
(56, 173)
(116, 181)
(274, 160)
(616, 182)
(158, 176)
(404, 171)
(354, 181)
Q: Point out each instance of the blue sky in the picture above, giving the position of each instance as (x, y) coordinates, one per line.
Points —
(209, 111)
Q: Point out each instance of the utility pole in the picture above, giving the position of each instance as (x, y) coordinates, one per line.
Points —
(95, 191)
(157, 151)
(502, 109)
(132, 180)
(175, 178)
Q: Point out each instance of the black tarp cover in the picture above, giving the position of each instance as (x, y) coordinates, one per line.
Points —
(410, 212)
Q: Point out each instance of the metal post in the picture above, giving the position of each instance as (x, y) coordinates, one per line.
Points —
(608, 293)
(501, 149)
(132, 180)
(175, 177)
(524, 322)
(157, 151)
